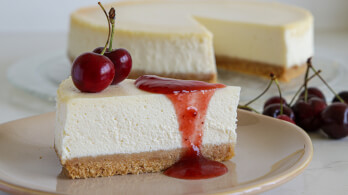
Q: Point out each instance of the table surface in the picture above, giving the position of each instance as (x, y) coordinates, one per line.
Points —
(327, 173)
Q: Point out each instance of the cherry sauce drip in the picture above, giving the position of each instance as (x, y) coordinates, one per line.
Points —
(191, 109)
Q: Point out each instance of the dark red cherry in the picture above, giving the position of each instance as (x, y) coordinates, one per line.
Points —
(122, 61)
(285, 118)
(312, 92)
(123, 64)
(307, 114)
(274, 100)
(92, 72)
(343, 95)
(335, 120)
(273, 110)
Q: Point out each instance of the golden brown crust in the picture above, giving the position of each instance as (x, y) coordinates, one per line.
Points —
(145, 162)
(259, 68)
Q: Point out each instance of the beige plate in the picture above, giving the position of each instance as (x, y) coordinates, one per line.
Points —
(269, 152)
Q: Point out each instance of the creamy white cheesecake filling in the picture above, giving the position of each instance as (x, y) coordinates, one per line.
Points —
(123, 119)
(178, 33)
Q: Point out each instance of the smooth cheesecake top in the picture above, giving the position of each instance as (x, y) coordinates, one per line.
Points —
(68, 91)
(179, 16)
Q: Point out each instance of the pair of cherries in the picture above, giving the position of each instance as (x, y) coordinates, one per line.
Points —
(93, 72)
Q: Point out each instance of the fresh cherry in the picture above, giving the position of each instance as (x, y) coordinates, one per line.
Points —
(120, 57)
(312, 92)
(92, 72)
(335, 120)
(273, 110)
(307, 114)
(274, 100)
(285, 118)
(343, 95)
(122, 61)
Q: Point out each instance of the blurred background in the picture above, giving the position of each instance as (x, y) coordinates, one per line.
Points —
(53, 16)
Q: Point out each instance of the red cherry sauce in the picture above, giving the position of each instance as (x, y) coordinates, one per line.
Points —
(190, 100)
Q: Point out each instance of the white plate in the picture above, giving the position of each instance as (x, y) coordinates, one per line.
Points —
(41, 75)
(269, 153)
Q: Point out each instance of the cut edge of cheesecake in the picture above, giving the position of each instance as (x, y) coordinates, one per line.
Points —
(137, 163)
(80, 162)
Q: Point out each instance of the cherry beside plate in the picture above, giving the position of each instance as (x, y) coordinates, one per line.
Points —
(269, 153)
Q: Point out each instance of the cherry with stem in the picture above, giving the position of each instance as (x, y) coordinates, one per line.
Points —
(93, 72)
(120, 57)
(308, 109)
(279, 110)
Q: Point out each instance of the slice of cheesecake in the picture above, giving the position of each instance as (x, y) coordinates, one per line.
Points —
(124, 129)
(186, 39)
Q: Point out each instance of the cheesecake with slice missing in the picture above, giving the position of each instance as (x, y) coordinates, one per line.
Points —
(142, 126)
(188, 39)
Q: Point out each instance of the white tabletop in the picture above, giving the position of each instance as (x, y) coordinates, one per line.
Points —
(327, 173)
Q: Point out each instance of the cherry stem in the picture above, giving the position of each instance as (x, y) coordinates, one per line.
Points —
(280, 94)
(112, 16)
(306, 80)
(302, 86)
(107, 17)
(248, 107)
(327, 85)
(253, 100)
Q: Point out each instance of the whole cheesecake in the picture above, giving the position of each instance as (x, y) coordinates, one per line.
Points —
(127, 128)
(187, 39)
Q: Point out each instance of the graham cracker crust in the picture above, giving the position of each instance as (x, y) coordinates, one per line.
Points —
(259, 68)
(145, 162)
